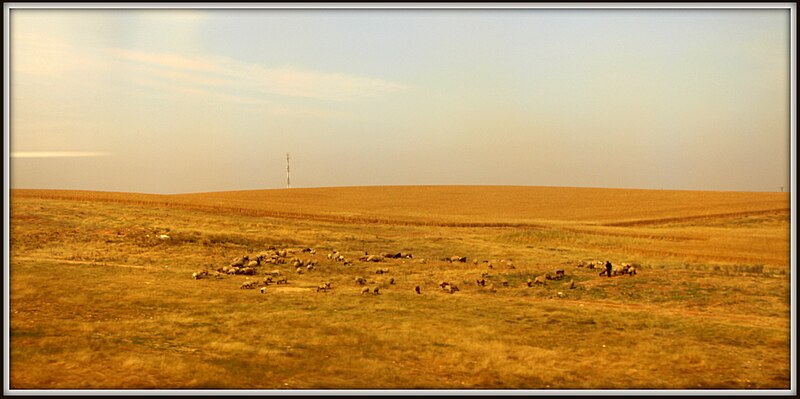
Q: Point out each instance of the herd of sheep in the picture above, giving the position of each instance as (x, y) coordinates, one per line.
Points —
(249, 265)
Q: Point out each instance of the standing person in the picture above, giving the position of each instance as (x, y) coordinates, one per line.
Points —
(608, 268)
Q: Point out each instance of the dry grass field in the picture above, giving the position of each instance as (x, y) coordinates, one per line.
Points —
(102, 294)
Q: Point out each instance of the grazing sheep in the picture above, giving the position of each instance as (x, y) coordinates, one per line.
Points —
(365, 290)
(462, 259)
(248, 285)
(200, 274)
(529, 282)
(443, 284)
(299, 270)
(267, 280)
(374, 258)
(324, 286)
(481, 282)
(376, 290)
(310, 267)
(631, 271)
(239, 262)
(416, 289)
(233, 270)
(275, 272)
(263, 290)
(540, 280)
(247, 271)
(560, 274)
(360, 280)
(382, 271)
(252, 263)
(281, 280)
(475, 262)
(451, 289)
(548, 276)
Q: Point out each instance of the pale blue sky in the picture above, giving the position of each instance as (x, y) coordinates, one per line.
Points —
(175, 101)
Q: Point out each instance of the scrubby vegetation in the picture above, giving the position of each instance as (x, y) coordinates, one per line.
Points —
(106, 290)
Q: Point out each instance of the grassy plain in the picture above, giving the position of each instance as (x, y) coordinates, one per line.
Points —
(97, 301)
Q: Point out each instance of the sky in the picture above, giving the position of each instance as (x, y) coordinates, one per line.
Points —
(169, 101)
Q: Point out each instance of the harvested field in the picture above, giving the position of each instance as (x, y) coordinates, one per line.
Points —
(102, 294)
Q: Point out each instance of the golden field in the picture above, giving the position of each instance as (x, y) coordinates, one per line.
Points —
(98, 301)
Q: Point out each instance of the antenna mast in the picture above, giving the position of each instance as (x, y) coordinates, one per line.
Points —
(288, 184)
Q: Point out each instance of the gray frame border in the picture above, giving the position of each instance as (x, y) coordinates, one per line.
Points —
(792, 7)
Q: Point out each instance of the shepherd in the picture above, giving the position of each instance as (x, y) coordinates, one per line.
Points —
(608, 268)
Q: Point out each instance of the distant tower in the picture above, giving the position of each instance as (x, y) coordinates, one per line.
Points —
(288, 184)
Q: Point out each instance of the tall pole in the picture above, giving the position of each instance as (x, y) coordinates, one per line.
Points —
(288, 184)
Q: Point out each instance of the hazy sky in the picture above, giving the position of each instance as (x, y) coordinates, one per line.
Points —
(192, 100)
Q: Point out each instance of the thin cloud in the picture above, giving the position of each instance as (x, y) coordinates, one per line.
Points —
(58, 154)
(225, 74)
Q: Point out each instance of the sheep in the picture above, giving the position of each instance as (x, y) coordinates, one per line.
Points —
(540, 280)
(248, 285)
(443, 284)
(450, 289)
(376, 290)
(529, 283)
(275, 272)
(360, 280)
(504, 282)
(267, 280)
(252, 263)
(475, 262)
(456, 258)
(247, 271)
(365, 290)
(324, 286)
(233, 270)
(481, 282)
(374, 258)
(548, 276)
(281, 280)
(310, 267)
(559, 274)
(299, 270)
(200, 274)
(631, 271)
(239, 262)
(511, 265)
(391, 280)
(416, 289)
(263, 290)
(382, 271)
